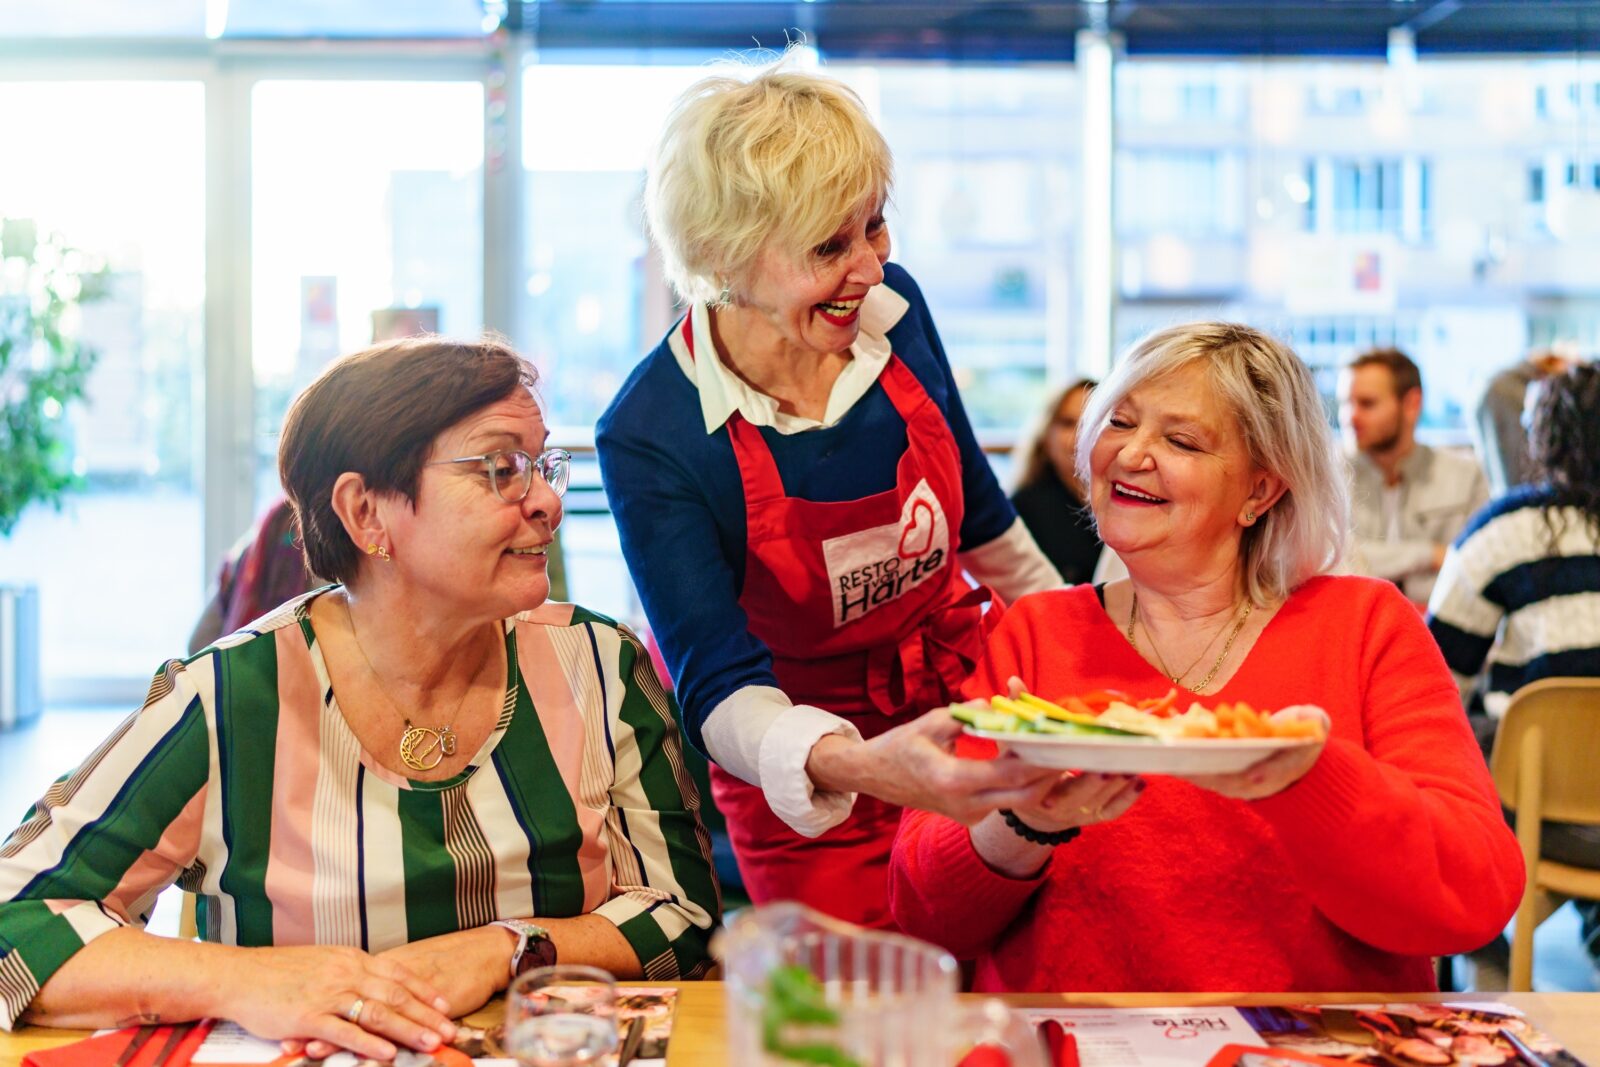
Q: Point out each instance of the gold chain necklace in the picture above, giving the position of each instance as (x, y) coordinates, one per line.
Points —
(1161, 661)
(1133, 615)
(418, 743)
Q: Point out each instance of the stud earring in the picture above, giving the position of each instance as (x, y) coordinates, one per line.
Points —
(379, 551)
(1249, 517)
(724, 298)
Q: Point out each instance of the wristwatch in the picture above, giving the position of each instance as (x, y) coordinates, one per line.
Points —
(534, 947)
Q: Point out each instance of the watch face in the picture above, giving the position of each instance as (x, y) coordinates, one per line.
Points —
(541, 952)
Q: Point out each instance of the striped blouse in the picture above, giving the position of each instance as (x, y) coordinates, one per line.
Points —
(240, 781)
(1506, 597)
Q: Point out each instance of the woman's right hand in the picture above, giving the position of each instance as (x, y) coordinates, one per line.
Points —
(914, 766)
(1079, 800)
(1076, 800)
(306, 994)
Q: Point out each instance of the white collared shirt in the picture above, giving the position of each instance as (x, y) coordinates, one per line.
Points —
(757, 733)
(723, 392)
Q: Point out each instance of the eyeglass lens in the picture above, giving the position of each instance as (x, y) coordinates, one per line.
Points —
(513, 472)
(556, 465)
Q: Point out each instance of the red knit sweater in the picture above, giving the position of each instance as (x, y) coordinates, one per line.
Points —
(1390, 850)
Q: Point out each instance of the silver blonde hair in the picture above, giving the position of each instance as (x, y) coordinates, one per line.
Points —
(1271, 394)
(784, 157)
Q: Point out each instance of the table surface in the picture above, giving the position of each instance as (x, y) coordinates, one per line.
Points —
(699, 1035)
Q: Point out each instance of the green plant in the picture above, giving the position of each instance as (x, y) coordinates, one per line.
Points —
(43, 366)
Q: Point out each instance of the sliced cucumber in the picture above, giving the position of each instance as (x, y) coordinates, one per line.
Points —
(986, 720)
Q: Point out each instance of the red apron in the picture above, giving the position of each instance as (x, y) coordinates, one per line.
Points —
(868, 616)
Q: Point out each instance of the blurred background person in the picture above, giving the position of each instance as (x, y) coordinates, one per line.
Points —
(1519, 593)
(265, 569)
(1049, 495)
(1408, 500)
(1499, 425)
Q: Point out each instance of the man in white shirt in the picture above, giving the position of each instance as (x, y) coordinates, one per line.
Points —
(1409, 501)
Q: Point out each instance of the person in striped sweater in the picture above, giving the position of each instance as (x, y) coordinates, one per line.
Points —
(1519, 591)
(389, 794)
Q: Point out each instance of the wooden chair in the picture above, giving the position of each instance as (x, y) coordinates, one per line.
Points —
(187, 929)
(1546, 766)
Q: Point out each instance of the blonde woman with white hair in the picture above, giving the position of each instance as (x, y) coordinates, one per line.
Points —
(798, 492)
(1343, 865)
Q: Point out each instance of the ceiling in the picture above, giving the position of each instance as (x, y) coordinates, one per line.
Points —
(1045, 29)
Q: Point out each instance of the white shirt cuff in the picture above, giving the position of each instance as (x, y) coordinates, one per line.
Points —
(1012, 565)
(757, 734)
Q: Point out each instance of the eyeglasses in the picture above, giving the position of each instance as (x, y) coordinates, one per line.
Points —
(511, 471)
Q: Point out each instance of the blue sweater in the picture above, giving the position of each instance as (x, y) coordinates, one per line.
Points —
(1507, 598)
(680, 509)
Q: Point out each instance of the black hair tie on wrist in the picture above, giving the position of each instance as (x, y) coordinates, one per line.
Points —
(1038, 837)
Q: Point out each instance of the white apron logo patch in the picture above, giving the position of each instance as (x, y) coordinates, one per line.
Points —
(869, 568)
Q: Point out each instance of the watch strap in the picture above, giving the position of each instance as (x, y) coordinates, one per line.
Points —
(527, 933)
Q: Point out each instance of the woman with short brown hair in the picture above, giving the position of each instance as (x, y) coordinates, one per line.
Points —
(396, 791)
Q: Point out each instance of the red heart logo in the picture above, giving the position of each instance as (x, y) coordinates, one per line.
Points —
(917, 537)
(1181, 1033)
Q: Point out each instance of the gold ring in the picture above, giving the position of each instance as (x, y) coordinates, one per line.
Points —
(353, 1012)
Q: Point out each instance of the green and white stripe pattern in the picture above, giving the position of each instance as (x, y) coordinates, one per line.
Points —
(240, 780)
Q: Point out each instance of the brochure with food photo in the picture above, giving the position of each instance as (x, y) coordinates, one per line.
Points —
(1408, 1035)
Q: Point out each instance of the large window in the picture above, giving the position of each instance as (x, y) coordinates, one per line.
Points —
(596, 300)
(983, 218)
(117, 169)
(1432, 206)
(1449, 206)
(368, 222)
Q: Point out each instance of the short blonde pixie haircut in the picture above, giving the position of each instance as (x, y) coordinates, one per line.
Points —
(784, 157)
(1274, 402)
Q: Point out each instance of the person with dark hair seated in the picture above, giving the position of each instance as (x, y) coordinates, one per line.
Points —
(1050, 497)
(393, 793)
(1517, 592)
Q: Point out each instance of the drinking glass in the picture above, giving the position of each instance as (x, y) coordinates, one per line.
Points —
(563, 1016)
(799, 982)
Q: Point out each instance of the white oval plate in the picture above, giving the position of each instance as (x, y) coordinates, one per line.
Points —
(1130, 755)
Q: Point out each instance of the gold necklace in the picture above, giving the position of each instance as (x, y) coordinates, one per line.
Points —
(418, 743)
(1133, 615)
(1161, 661)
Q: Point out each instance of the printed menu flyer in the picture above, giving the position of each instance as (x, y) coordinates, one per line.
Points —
(1148, 1037)
(1407, 1035)
(1380, 1035)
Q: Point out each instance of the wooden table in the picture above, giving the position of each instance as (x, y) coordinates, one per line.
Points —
(699, 1036)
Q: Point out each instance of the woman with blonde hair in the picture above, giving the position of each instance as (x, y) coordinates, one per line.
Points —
(798, 491)
(1343, 864)
(1050, 497)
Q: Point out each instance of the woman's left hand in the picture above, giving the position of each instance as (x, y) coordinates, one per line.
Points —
(1275, 773)
(467, 967)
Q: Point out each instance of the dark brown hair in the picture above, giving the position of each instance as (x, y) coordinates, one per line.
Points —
(1402, 371)
(1564, 444)
(1034, 458)
(377, 413)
